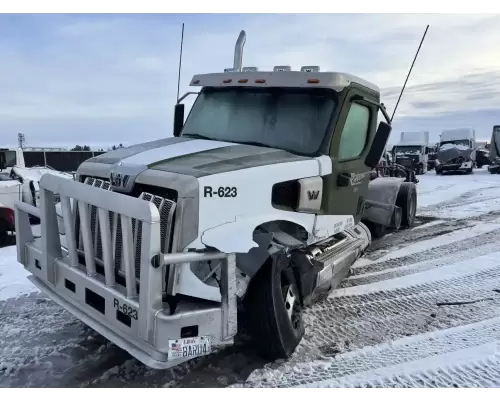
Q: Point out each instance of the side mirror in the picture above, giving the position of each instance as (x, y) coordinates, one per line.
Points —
(2, 161)
(178, 119)
(381, 137)
(426, 150)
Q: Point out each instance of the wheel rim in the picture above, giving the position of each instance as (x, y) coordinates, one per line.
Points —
(292, 305)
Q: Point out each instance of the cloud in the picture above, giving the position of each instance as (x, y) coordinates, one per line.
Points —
(106, 79)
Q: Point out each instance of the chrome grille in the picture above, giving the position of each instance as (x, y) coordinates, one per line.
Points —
(166, 208)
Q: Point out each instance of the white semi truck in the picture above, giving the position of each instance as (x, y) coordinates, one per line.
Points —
(457, 151)
(253, 210)
(412, 151)
(18, 183)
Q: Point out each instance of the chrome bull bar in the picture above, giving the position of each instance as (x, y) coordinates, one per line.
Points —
(134, 315)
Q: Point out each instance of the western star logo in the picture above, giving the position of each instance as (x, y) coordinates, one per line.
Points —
(119, 180)
(313, 194)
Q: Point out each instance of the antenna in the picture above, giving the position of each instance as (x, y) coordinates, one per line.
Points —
(409, 72)
(180, 63)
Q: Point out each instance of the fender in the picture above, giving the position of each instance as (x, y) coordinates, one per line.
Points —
(237, 236)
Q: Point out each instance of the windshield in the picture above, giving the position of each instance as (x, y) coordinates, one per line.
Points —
(10, 158)
(463, 142)
(294, 120)
(408, 149)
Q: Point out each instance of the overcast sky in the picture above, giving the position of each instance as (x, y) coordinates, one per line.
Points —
(108, 79)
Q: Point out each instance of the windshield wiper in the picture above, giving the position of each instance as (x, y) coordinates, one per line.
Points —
(197, 136)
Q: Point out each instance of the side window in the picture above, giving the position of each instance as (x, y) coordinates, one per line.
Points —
(355, 132)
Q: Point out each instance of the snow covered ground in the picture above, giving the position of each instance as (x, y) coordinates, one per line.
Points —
(421, 310)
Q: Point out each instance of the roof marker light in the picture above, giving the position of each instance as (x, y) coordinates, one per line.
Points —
(260, 81)
(243, 81)
(227, 80)
(310, 68)
(313, 81)
(282, 68)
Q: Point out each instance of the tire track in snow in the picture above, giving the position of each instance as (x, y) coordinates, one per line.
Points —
(433, 258)
(465, 253)
(341, 324)
(464, 356)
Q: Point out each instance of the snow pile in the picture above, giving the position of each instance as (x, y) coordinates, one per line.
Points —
(13, 282)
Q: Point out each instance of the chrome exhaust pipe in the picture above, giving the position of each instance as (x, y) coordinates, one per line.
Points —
(238, 51)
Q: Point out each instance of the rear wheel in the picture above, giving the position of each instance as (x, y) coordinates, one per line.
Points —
(274, 310)
(407, 200)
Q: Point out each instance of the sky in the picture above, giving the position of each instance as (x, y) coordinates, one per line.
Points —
(104, 79)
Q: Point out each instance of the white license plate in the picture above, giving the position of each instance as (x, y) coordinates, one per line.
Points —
(189, 347)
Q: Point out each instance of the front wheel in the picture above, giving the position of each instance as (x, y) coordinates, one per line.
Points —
(274, 309)
(407, 200)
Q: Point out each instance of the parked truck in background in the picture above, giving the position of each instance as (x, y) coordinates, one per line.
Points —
(457, 151)
(494, 151)
(18, 183)
(412, 151)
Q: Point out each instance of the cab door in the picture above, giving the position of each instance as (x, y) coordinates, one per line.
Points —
(347, 186)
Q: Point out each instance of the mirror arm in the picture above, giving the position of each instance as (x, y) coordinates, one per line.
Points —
(384, 112)
(186, 95)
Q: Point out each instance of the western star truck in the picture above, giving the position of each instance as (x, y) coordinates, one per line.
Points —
(457, 151)
(253, 210)
(412, 151)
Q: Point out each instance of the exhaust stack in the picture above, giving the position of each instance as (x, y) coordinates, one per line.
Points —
(238, 51)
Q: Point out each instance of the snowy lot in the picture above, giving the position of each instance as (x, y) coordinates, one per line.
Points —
(422, 309)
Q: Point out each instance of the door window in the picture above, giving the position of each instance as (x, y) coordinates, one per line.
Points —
(355, 132)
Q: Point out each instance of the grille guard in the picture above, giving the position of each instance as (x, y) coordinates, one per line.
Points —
(147, 325)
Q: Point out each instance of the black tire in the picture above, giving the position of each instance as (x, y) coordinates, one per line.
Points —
(377, 231)
(275, 325)
(407, 200)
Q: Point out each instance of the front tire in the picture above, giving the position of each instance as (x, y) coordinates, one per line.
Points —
(274, 310)
(407, 200)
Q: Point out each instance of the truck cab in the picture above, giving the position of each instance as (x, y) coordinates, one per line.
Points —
(494, 151)
(457, 151)
(252, 210)
(412, 151)
(10, 158)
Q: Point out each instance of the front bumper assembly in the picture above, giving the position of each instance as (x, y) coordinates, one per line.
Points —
(133, 314)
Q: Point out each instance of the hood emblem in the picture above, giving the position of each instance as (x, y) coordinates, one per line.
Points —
(119, 180)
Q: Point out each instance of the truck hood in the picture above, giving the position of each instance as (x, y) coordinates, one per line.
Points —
(194, 157)
(450, 152)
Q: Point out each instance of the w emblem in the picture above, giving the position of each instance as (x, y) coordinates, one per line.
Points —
(313, 194)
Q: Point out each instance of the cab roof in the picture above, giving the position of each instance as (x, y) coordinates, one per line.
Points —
(331, 80)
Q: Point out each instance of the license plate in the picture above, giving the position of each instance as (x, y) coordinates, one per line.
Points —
(189, 347)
